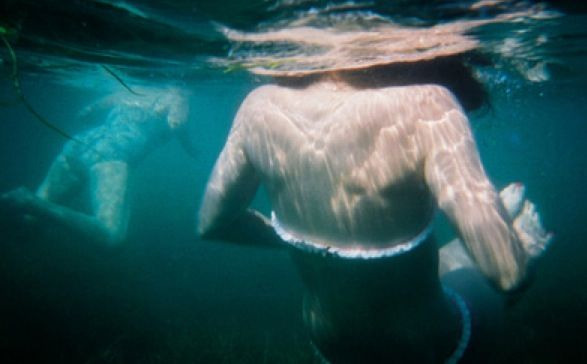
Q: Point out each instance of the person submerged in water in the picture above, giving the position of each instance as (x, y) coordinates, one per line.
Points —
(356, 162)
(101, 160)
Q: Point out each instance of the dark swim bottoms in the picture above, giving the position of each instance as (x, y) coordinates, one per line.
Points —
(349, 253)
(365, 263)
(465, 314)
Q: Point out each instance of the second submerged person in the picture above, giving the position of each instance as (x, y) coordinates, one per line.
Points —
(101, 161)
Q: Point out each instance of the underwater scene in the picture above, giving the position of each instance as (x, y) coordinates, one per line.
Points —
(114, 113)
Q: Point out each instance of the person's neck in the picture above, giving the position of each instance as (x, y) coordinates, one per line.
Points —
(333, 81)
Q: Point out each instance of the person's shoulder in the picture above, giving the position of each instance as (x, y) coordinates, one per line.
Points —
(433, 99)
(420, 91)
(258, 95)
(265, 91)
(425, 102)
(438, 92)
(255, 103)
(262, 96)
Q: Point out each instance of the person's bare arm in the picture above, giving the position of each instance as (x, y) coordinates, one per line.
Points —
(223, 214)
(526, 222)
(456, 177)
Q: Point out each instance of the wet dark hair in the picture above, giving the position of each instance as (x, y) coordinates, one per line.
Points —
(451, 72)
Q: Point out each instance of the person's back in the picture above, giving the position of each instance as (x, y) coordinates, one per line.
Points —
(344, 168)
(101, 159)
(354, 177)
(135, 125)
(356, 152)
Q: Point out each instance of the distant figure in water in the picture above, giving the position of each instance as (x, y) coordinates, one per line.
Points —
(100, 160)
(356, 162)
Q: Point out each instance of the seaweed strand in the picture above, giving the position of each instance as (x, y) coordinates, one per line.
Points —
(113, 74)
(24, 100)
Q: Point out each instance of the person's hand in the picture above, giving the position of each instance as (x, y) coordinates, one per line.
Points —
(530, 231)
(512, 197)
(526, 220)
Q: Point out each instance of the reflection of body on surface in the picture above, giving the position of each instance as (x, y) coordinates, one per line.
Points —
(355, 164)
(101, 159)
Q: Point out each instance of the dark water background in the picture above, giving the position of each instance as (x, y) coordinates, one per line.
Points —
(166, 297)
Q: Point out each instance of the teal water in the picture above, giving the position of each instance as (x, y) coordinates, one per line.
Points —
(166, 297)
